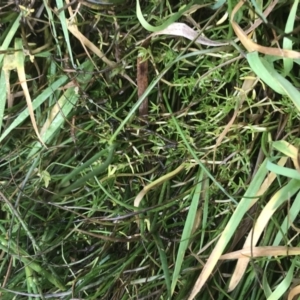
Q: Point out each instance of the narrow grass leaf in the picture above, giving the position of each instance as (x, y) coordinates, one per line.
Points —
(25, 258)
(266, 287)
(65, 104)
(247, 201)
(286, 224)
(242, 264)
(164, 262)
(63, 21)
(2, 97)
(293, 213)
(187, 231)
(284, 285)
(271, 77)
(258, 10)
(10, 35)
(262, 252)
(251, 46)
(287, 43)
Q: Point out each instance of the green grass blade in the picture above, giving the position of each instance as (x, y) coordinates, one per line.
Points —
(287, 172)
(2, 97)
(271, 77)
(164, 262)
(63, 21)
(9, 37)
(187, 230)
(287, 43)
(288, 220)
(259, 68)
(284, 285)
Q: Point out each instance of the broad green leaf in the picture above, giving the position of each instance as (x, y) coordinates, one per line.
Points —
(262, 72)
(271, 77)
(279, 170)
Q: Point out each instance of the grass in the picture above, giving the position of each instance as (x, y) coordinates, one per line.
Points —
(138, 162)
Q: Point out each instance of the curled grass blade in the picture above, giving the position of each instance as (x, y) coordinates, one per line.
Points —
(171, 19)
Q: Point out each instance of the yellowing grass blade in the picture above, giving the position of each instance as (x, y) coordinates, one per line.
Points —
(251, 46)
(20, 60)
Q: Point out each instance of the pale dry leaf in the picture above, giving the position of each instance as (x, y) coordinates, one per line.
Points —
(23, 82)
(9, 64)
(252, 47)
(249, 252)
(294, 292)
(183, 30)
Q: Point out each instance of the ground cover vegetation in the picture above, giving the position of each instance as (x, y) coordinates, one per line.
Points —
(149, 149)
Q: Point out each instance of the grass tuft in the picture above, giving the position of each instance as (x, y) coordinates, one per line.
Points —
(149, 150)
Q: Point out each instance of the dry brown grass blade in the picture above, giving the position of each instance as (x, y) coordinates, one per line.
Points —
(251, 46)
(294, 292)
(86, 43)
(183, 30)
(249, 252)
(9, 63)
(20, 59)
(142, 84)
